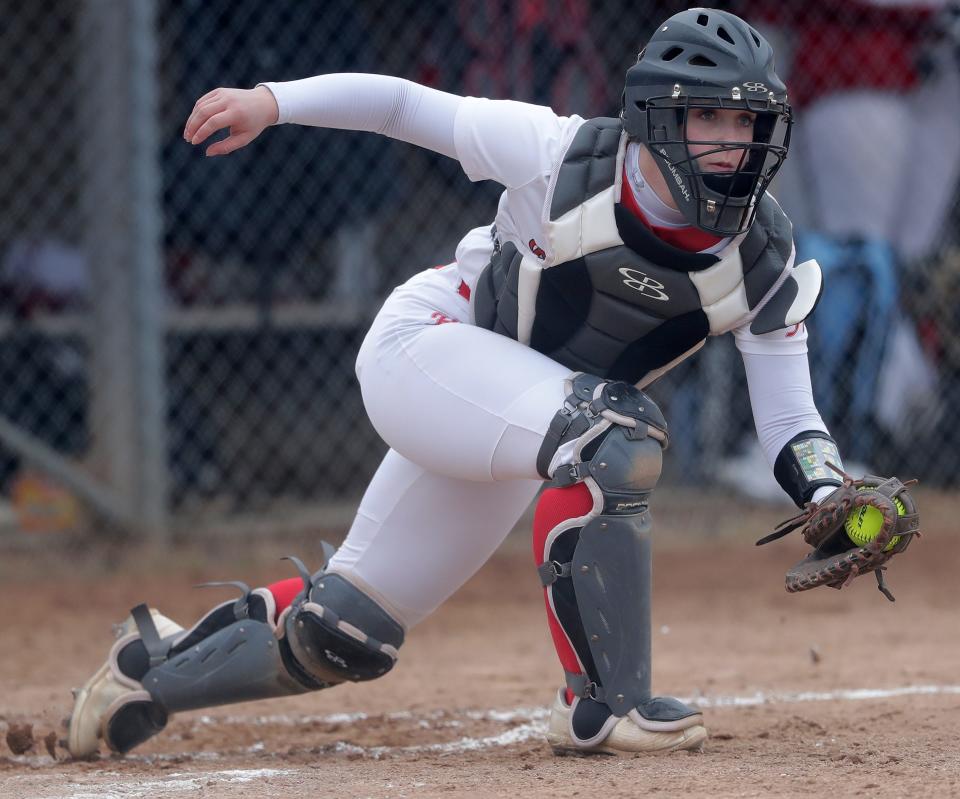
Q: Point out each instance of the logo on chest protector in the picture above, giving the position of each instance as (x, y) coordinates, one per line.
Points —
(645, 284)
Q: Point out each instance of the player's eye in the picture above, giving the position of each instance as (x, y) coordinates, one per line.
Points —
(747, 120)
(708, 115)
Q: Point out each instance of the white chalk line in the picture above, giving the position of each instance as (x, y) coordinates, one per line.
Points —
(534, 714)
(175, 783)
(532, 724)
(534, 719)
(843, 695)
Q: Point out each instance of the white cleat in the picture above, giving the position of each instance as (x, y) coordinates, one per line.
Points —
(621, 736)
(93, 701)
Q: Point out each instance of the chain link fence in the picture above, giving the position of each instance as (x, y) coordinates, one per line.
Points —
(177, 334)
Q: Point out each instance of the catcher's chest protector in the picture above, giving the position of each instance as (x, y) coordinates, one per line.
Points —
(613, 299)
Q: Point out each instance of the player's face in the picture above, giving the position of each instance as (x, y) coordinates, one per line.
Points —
(727, 125)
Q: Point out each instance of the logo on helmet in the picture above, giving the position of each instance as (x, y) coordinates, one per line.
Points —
(754, 86)
(646, 285)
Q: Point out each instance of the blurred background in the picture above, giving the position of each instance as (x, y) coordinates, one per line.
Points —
(177, 334)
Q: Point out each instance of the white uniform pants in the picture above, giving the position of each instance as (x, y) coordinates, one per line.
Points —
(464, 411)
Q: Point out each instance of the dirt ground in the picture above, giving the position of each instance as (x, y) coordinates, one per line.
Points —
(829, 692)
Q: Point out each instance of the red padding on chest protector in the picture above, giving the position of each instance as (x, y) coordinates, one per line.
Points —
(555, 506)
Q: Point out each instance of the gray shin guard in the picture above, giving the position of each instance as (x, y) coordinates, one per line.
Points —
(611, 578)
(331, 633)
(231, 655)
(238, 663)
(612, 575)
(598, 569)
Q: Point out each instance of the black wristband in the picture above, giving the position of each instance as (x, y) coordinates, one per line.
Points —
(801, 467)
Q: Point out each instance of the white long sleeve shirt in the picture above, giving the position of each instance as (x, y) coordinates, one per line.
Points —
(517, 144)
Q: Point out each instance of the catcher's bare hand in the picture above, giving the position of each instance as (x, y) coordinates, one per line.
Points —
(246, 112)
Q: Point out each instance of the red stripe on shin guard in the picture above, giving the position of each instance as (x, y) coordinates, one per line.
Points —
(556, 505)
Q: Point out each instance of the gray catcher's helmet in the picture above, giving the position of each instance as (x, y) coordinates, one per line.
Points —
(704, 58)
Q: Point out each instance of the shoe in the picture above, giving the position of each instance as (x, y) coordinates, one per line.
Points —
(603, 733)
(94, 701)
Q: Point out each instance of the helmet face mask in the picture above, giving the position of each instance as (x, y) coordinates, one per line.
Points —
(719, 202)
(708, 59)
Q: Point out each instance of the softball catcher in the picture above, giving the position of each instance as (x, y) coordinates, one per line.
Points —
(620, 245)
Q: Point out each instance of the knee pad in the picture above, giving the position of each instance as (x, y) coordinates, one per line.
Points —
(338, 633)
(610, 435)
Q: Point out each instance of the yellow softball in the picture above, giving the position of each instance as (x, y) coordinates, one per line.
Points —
(864, 523)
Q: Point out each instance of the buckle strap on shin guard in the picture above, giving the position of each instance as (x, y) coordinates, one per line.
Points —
(304, 572)
(156, 649)
(241, 608)
(569, 474)
(571, 421)
(568, 423)
(581, 685)
(550, 571)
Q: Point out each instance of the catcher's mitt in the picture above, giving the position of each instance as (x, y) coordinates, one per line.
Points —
(835, 559)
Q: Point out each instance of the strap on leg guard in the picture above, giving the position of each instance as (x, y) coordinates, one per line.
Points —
(237, 653)
(231, 655)
(596, 567)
